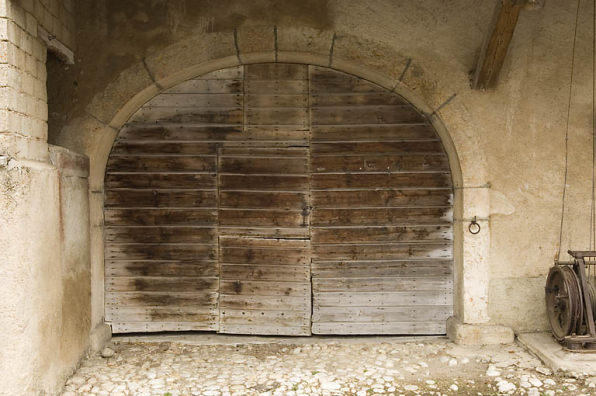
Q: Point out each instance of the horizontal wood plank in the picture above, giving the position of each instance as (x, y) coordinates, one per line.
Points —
(161, 284)
(266, 272)
(382, 234)
(263, 200)
(161, 164)
(271, 318)
(376, 132)
(385, 284)
(188, 115)
(386, 251)
(372, 148)
(260, 165)
(264, 183)
(380, 163)
(264, 330)
(275, 71)
(384, 216)
(161, 148)
(382, 198)
(380, 180)
(156, 327)
(156, 217)
(401, 328)
(264, 288)
(202, 235)
(160, 252)
(180, 100)
(384, 299)
(272, 87)
(265, 256)
(169, 198)
(272, 101)
(420, 313)
(160, 299)
(262, 218)
(160, 181)
(381, 268)
(276, 116)
(204, 86)
(203, 269)
(355, 115)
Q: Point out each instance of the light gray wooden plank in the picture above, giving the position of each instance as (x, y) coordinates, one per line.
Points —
(256, 288)
(420, 313)
(271, 318)
(266, 303)
(383, 299)
(115, 268)
(385, 284)
(258, 272)
(161, 284)
(160, 299)
(383, 251)
(403, 328)
(154, 327)
(381, 268)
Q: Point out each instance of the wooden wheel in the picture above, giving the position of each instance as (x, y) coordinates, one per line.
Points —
(563, 302)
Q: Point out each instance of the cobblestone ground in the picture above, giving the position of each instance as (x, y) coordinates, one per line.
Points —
(322, 367)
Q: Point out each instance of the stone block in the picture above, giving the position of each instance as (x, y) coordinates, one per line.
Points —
(100, 336)
(292, 41)
(478, 334)
(255, 39)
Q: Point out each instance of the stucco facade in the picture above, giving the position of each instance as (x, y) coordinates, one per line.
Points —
(506, 147)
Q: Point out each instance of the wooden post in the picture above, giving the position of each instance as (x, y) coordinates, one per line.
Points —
(496, 43)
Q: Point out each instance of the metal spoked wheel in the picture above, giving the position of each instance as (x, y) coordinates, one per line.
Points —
(563, 302)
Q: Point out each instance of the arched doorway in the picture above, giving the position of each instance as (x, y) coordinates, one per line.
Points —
(279, 199)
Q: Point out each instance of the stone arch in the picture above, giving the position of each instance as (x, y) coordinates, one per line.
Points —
(95, 133)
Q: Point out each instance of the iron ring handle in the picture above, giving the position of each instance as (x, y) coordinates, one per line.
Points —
(474, 227)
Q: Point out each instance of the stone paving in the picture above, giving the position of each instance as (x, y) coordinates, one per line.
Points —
(352, 366)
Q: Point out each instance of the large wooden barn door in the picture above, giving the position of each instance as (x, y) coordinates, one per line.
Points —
(278, 199)
(264, 208)
(382, 212)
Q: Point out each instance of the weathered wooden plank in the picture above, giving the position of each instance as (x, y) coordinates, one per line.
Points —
(208, 310)
(160, 181)
(161, 299)
(378, 132)
(260, 165)
(161, 315)
(420, 313)
(264, 330)
(286, 183)
(384, 216)
(372, 148)
(168, 198)
(154, 217)
(272, 87)
(223, 86)
(272, 101)
(177, 100)
(162, 268)
(266, 303)
(161, 148)
(264, 256)
(385, 284)
(262, 242)
(161, 235)
(160, 252)
(256, 288)
(263, 200)
(160, 284)
(351, 115)
(155, 327)
(273, 232)
(381, 180)
(262, 218)
(363, 99)
(266, 272)
(132, 132)
(161, 164)
(246, 150)
(381, 268)
(275, 71)
(188, 115)
(380, 163)
(383, 234)
(349, 85)
(276, 116)
(385, 299)
(272, 318)
(388, 198)
(403, 328)
(386, 251)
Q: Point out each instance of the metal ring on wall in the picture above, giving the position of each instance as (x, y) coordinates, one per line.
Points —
(474, 227)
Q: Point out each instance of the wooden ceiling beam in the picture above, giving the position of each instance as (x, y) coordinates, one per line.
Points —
(496, 43)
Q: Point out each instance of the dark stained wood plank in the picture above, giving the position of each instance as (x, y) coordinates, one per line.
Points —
(402, 328)
(161, 299)
(371, 148)
(166, 314)
(260, 165)
(162, 268)
(380, 163)
(273, 87)
(161, 148)
(388, 198)
(383, 252)
(263, 242)
(160, 284)
(273, 232)
(161, 234)
(195, 100)
(383, 234)
(263, 200)
(188, 115)
(224, 86)
(161, 164)
(496, 43)
(264, 256)
(266, 303)
(154, 217)
(264, 183)
(385, 217)
(160, 181)
(160, 252)
(263, 218)
(272, 101)
(420, 313)
(381, 180)
(362, 99)
(266, 272)
(365, 115)
(283, 151)
(377, 132)
(381, 268)
(384, 299)
(160, 198)
(275, 71)
(272, 318)
(256, 288)
(344, 86)
(385, 284)
(132, 132)
(276, 116)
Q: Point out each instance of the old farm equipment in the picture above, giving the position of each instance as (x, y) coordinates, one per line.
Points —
(571, 302)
